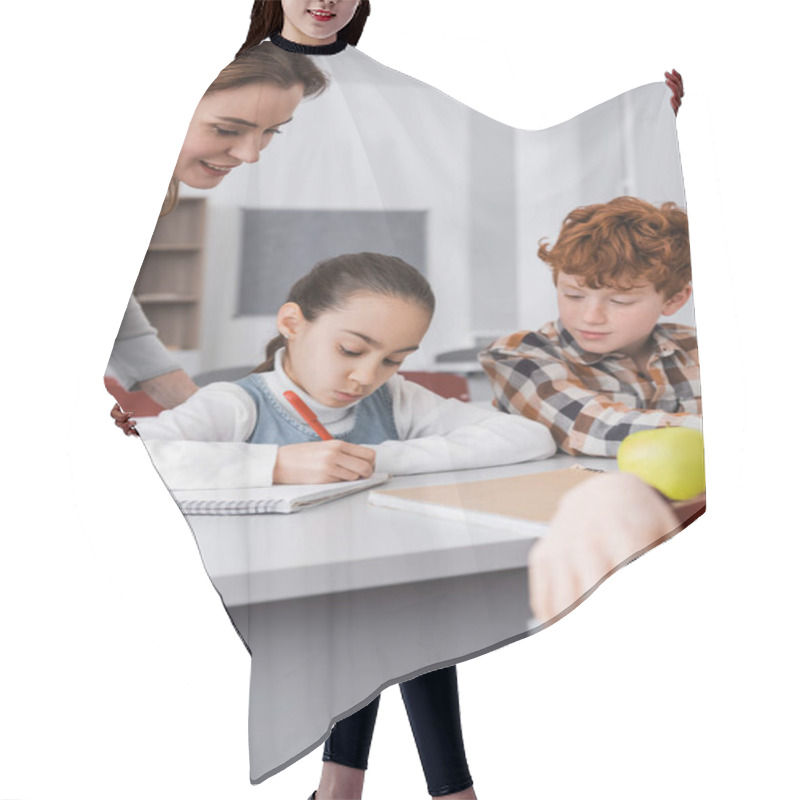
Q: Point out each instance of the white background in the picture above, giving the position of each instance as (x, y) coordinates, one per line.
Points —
(121, 676)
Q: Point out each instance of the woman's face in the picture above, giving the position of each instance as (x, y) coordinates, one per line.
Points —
(316, 22)
(230, 127)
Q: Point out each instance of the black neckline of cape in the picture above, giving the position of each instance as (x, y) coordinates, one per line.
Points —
(309, 49)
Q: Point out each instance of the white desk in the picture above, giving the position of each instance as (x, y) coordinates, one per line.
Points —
(348, 544)
(337, 602)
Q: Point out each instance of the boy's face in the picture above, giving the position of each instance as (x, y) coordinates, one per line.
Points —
(612, 319)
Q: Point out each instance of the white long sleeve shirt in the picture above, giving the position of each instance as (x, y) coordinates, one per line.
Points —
(203, 442)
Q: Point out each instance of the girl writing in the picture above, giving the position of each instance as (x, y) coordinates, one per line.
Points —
(344, 332)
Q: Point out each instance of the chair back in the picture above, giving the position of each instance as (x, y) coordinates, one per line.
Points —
(228, 374)
(445, 384)
(138, 402)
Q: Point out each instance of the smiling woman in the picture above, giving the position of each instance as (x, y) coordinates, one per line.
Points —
(240, 112)
(230, 128)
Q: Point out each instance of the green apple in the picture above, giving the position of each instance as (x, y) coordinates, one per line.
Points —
(669, 459)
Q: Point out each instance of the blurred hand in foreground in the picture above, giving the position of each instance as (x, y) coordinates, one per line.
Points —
(598, 526)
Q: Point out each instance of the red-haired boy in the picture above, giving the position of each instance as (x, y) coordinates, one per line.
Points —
(607, 368)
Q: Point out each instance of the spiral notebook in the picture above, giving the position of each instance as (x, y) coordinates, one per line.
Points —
(284, 499)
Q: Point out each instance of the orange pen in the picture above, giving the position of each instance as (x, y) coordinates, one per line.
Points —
(308, 415)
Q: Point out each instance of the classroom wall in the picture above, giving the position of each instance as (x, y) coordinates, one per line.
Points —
(377, 140)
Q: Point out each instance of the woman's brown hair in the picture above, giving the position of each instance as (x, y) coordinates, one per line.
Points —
(333, 282)
(266, 19)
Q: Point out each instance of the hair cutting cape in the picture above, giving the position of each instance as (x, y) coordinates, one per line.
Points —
(333, 609)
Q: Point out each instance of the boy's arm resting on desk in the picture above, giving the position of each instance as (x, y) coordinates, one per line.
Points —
(438, 435)
(582, 421)
(202, 444)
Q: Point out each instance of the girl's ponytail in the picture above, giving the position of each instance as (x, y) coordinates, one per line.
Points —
(273, 346)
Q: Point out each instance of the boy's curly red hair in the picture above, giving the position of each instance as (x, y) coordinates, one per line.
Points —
(623, 243)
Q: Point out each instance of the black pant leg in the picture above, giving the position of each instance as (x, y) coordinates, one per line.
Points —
(351, 738)
(433, 711)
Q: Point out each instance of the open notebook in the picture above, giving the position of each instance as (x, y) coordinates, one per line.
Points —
(514, 504)
(284, 499)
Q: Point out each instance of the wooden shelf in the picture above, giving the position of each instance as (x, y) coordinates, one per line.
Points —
(170, 282)
(174, 248)
(166, 297)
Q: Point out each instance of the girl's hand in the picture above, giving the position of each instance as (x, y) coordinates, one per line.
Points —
(675, 82)
(323, 462)
(122, 419)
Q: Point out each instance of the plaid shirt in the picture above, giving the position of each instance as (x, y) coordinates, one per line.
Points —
(591, 402)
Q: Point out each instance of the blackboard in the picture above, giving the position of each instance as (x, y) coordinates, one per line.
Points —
(280, 246)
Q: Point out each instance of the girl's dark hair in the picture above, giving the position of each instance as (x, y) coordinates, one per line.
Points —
(332, 283)
(265, 63)
(266, 19)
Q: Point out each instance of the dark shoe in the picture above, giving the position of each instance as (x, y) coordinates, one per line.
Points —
(313, 795)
